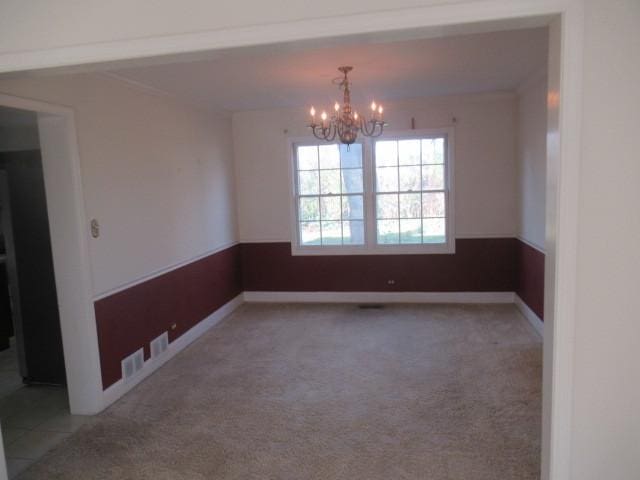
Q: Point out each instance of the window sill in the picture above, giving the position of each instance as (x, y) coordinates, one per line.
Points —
(428, 249)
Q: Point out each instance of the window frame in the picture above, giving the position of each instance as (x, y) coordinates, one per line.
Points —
(370, 246)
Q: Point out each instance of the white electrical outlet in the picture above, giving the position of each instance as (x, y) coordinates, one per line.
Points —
(159, 345)
(132, 364)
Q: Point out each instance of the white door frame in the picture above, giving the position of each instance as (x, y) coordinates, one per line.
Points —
(563, 189)
(69, 245)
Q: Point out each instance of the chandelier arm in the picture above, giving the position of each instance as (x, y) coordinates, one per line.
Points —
(325, 132)
(329, 132)
(369, 127)
(340, 131)
(379, 131)
(314, 130)
(334, 131)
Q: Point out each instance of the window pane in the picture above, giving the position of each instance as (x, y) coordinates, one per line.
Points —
(353, 157)
(409, 205)
(352, 207)
(409, 178)
(387, 206)
(388, 231)
(330, 208)
(433, 177)
(329, 156)
(330, 181)
(427, 151)
(386, 153)
(331, 233)
(411, 231)
(433, 204)
(308, 183)
(310, 233)
(438, 150)
(307, 158)
(352, 181)
(387, 179)
(433, 230)
(309, 209)
(433, 150)
(409, 152)
(353, 232)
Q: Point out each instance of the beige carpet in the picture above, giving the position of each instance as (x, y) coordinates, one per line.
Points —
(328, 392)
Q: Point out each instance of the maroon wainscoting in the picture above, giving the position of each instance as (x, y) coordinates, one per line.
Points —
(479, 265)
(130, 319)
(530, 279)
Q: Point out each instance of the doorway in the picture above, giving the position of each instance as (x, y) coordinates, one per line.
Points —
(56, 411)
(33, 394)
(32, 328)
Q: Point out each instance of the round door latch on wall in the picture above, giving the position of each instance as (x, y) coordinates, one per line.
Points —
(95, 228)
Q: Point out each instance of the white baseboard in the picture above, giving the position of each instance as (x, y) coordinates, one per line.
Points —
(535, 321)
(380, 297)
(118, 389)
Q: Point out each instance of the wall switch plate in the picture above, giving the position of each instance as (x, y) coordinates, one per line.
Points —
(95, 228)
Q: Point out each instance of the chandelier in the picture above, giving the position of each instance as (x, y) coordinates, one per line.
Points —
(345, 123)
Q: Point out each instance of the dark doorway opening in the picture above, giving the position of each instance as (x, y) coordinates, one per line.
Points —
(30, 322)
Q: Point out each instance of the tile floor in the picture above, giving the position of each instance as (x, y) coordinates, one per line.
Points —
(10, 379)
(34, 419)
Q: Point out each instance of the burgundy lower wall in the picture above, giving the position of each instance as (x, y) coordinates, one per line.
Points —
(130, 319)
(479, 265)
(530, 278)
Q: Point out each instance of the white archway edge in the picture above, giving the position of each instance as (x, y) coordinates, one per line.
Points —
(65, 207)
(432, 17)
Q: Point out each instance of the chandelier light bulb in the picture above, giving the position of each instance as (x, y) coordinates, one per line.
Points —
(337, 106)
(380, 109)
(373, 106)
(323, 116)
(355, 115)
(312, 112)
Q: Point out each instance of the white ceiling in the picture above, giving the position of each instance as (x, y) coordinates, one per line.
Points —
(289, 77)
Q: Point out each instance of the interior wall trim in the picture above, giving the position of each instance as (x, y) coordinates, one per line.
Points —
(118, 389)
(379, 297)
(535, 321)
(530, 243)
(162, 271)
(466, 236)
(265, 240)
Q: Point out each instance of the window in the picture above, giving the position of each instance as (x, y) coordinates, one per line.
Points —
(392, 194)
(410, 191)
(330, 195)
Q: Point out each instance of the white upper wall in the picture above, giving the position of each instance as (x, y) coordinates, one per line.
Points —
(156, 174)
(532, 159)
(485, 168)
